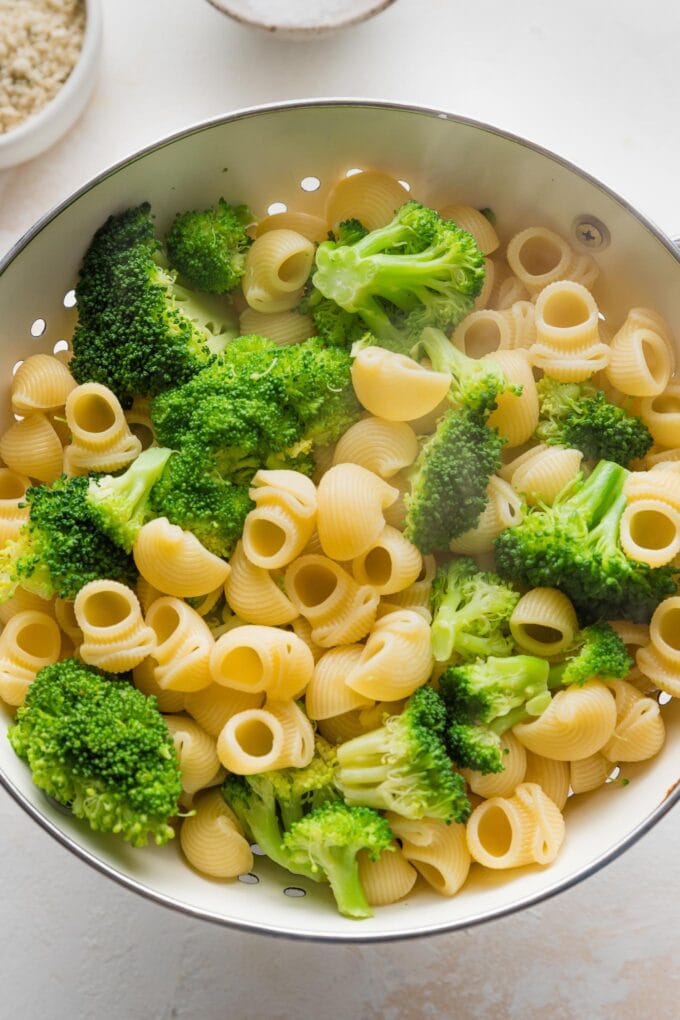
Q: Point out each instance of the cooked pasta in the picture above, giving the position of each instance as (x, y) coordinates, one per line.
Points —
(508, 289)
(378, 374)
(284, 328)
(213, 706)
(650, 532)
(551, 775)
(303, 629)
(527, 828)
(32, 447)
(589, 773)
(30, 641)
(516, 415)
(501, 784)
(327, 694)
(383, 447)
(437, 850)
(314, 228)
(417, 595)
(181, 657)
(41, 383)
(476, 223)
(578, 722)
(256, 659)
(340, 610)
(540, 474)
(658, 484)
(544, 622)
(175, 562)
(395, 513)
(340, 728)
(568, 366)
(261, 739)
(23, 600)
(661, 415)
(140, 424)
(211, 839)
(503, 510)
(566, 317)
(664, 459)
(639, 733)
(396, 659)
(277, 266)
(13, 515)
(168, 700)
(196, 752)
(388, 879)
(372, 197)
(284, 518)
(660, 659)
(65, 616)
(101, 439)
(641, 361)
(391, 564)
(350, 504)
(538, 257)
(254, 595)
(114, 635)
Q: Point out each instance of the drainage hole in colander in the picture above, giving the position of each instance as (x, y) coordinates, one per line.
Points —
(70, 299)
(277, 207)
(294, 891)
(355, 170)
(61, 345)
(257, 850)
(406, 185)
(613, 775)
(663, 698)
(38, 327)
(310, 183)
(17, 365)
(249, 879)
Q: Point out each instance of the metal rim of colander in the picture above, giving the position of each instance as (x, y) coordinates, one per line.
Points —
(672, 795)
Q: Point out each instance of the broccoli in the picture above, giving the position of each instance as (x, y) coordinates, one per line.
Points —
(597, 652)
(119, 504)
(449, 479)
(192, 494)
(470, 612)
(487, 697)
(574, 545)
(268, 803)
(327, 841)
(476, 383)
(138, 332)
(349, 232)
(579, 415)
(60, 548)
(403, 766)
(334, 325)
(95, 743)
(208, 247)
(419, 270)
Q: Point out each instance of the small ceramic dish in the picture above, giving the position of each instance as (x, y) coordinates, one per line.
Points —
(300, 19)
(37, 133)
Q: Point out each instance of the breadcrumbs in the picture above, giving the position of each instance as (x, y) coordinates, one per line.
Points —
(40, 42)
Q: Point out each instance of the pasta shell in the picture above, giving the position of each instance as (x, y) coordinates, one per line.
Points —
(196, 752)
(30, 641)
(276, 269)
(254, 658)
(175, 562)
(372, 197)
(527, 828)
(211, 840)
(395, 387)
(183, 646)
(213, 706)
(284, 328)
(328, 694)
(254, 595)
(396, 660)
(438, 851)
(314, 228)
(41, 383)
(388, 879)
(350, 515)
(476, 223)
(383, 447)
(578, 722)
(13, 515)
(31, 447)
(114, 635)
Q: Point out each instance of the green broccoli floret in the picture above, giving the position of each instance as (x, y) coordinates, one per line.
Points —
(192, 494)
(208, 247)
(60, 548)
(579, 415)
(574, 546)
(138, 332)
(268, 803)
(119, 503)
(349, 232)
(403, 766)
(484, 699)
(597, 652)
(419, 270)
(327, 841)
(471, 609)
(337, 327)
(95, 743)
(476, 383)
(449, 479)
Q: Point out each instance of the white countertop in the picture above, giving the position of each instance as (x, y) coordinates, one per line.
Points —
(596, 83)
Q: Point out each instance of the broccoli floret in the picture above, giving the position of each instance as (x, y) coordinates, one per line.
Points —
(60, 548)
(476, 383)
(334, 325)
(403, 766)
(268, 803)
(349, 232)
(192, 494)
(574, 546)
(579, 415)
(419, 270)
(208, 247)
(471, 610)
(138, 332)
(597, 652)
(119, 504)
(449, 479)
(475, 747)
(327, 841)
(95, 743)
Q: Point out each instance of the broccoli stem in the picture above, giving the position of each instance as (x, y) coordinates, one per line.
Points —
(447, 625)
(598, 493)
(342, 871)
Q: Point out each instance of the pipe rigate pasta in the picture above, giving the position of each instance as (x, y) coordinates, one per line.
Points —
(388, 879)
(476, 223)
(516, 415)
(639, 733)
(254, 595)
(501, 784)
(383, 447)
(181, 657)
(114, 635)
(276, 736)
(659, 459)
(566, 317)
(589, 773)
(544, 622)
(212, 841)
(284, 328)
(101, 439)
(340, 728)
(372, 197)
(396, 660)
(328, 694)
(660, 659)
(32, 447)
(255, 658)
(175, 562)
(538, 257)
(391, 564)
(508, 290)
(277, 266)
(314, 228)
(41, 383)
(540, 474)
(660, 483)
(503, 510)
(213, 706)
(642, 358)
(284, 518)
(377, 374)
(30, 641)
(196, 752)
(140, 424)
(65, 616)
(350, 505)
(649, 532)
(527, 828)
(661, 415)
(578, 722)
(13, 516)
(22, 601)
(340, 610)
(551, 775)
(438, 851)
(144, 680)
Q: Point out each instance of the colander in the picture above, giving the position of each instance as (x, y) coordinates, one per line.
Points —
(289, 155)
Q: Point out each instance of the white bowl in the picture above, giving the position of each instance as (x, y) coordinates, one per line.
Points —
(36, 134)
(269, 153)
(309, 24)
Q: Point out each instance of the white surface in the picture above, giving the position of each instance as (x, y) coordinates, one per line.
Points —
(595, 83)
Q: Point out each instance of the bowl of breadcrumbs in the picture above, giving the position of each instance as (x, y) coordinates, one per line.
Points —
(49, 53)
